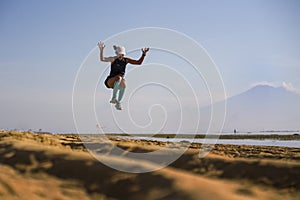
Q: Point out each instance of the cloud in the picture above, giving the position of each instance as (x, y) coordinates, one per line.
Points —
(290, 87)
(286, 85)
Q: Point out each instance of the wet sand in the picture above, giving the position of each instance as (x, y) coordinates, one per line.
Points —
(51, 166)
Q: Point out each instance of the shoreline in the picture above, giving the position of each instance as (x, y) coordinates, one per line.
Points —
(294, 136)
(30, 161)
(212, 141)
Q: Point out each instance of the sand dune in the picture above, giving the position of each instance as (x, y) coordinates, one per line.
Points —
(49, 166)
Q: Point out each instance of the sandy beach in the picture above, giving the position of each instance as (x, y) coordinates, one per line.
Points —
(58, 166)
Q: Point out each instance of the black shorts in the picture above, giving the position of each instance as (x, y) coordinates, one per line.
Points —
(106, 81)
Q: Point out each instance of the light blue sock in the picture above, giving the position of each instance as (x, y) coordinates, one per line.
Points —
(115, 90)
(121, 94)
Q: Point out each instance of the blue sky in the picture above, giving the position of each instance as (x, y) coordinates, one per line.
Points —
(43, 43)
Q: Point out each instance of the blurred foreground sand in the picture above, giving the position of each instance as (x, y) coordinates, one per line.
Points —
(50, 166)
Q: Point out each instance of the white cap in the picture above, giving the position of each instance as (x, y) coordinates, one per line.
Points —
(120, 50)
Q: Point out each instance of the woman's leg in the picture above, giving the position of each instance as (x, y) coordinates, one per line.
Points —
(114, 83)
(122, 87)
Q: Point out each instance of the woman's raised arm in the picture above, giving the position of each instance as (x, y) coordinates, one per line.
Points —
(101, 46)
(139, 61)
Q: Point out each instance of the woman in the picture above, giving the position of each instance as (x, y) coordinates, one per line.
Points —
(116, 80)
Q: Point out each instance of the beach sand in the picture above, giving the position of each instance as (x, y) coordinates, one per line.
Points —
(55, 166)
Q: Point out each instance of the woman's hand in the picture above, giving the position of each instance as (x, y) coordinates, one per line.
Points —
(145, 50)
(101, 45)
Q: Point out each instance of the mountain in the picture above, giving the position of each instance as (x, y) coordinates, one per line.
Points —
(260, 108)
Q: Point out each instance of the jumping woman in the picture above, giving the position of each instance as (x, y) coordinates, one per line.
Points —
(116, 80)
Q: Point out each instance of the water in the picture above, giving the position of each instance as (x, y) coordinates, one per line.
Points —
(266, 142)
(261, 133)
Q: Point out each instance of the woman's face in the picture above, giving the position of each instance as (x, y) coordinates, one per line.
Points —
(120, 56)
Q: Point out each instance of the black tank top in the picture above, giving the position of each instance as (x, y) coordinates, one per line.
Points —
(118, 67)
